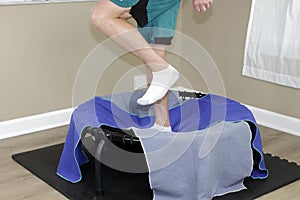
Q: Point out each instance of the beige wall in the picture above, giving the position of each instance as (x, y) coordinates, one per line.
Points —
(42, 47)
(222, 31)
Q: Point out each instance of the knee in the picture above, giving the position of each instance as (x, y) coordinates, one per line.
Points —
(98, 17)
(102, 15)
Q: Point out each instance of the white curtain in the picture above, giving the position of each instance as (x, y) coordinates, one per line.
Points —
(272, 51)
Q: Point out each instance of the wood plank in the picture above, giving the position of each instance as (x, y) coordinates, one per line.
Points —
(17, 183)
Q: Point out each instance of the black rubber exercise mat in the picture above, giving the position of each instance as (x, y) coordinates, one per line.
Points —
(119, 185)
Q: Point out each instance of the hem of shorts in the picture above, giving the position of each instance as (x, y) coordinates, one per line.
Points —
(163, 40)
(123, 4)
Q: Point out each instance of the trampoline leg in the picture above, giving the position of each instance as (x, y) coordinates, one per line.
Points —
(98, 171)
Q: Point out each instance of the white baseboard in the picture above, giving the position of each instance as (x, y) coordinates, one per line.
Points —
(276, 121)
(35, 123)
(59, 118)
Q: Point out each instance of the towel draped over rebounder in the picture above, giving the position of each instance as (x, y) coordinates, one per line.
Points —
(214, 144)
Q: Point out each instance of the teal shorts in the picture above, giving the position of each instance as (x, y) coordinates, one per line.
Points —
(156, 19)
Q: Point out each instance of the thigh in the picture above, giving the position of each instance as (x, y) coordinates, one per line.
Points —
(114, 8)
(125, 3)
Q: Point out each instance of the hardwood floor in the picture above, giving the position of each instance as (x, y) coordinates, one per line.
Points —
(17, 183)
(285, 146)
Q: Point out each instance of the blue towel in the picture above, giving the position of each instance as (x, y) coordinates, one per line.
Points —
(121, 111)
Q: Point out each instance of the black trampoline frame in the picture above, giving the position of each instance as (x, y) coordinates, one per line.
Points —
(103, 134)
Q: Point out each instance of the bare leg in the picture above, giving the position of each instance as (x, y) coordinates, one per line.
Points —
(111, 20)
(161, 106)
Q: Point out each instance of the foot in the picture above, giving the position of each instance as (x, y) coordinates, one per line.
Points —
(162, 81)
(161, 128)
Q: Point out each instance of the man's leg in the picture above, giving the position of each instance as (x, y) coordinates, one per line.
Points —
(161, 107)
(111, 20)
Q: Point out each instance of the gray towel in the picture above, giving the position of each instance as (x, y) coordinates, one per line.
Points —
(183, 167)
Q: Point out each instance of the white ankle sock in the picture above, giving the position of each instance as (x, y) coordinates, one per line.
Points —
(161, 128)
(161, 82)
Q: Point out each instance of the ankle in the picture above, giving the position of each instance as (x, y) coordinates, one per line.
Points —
(164, 124)
(161, 82)
(157, 68)
(162, 128)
